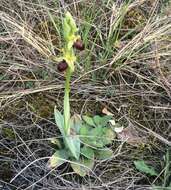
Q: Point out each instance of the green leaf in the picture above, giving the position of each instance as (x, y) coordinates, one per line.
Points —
(89, 120)
(87, 152)
(102, 121)
(143, 167)
(97, 119)
(72, 140)
(84, 130)
(84, 134)
(96, 137)
(109, 136)
(92, 136)
(76, 123)
(106, 119)
(59, 119)
(104, 154)
(58, 158)
(83, 166)
(73, 143)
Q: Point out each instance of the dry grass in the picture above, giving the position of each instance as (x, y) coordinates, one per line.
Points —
(126, 67)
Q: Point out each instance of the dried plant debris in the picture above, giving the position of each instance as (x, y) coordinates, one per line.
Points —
(123, 63)
(131, 136)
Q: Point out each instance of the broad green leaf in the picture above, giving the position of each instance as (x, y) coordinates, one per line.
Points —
(59, 119)
(102, 121)
(108, 136)
(143, 167)
(97, 132)
(96, 137)
(84, 130)
(87, 152)
(84, 134)
(72, 140)
(89, 120)
(83, 166)
(97, 120)
(92, 136)
(58, 158)
(73, 143)
(75, 123)
(104, 154)
(106, 119)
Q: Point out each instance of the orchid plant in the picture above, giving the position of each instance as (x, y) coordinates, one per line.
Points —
(84, 139)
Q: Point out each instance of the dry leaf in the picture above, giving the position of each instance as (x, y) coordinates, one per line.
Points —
(112, 122)
(105, 111)
(119, 129)
(131, 136)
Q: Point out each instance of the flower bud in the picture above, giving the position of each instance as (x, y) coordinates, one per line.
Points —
(62, 66)
(79, 45)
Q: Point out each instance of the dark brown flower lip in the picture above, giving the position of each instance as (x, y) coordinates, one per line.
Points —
(79, 45)
(62, 66)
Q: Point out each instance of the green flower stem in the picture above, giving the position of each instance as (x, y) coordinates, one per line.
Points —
(66, 102)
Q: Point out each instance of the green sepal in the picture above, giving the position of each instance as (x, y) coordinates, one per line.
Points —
(70, 58)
